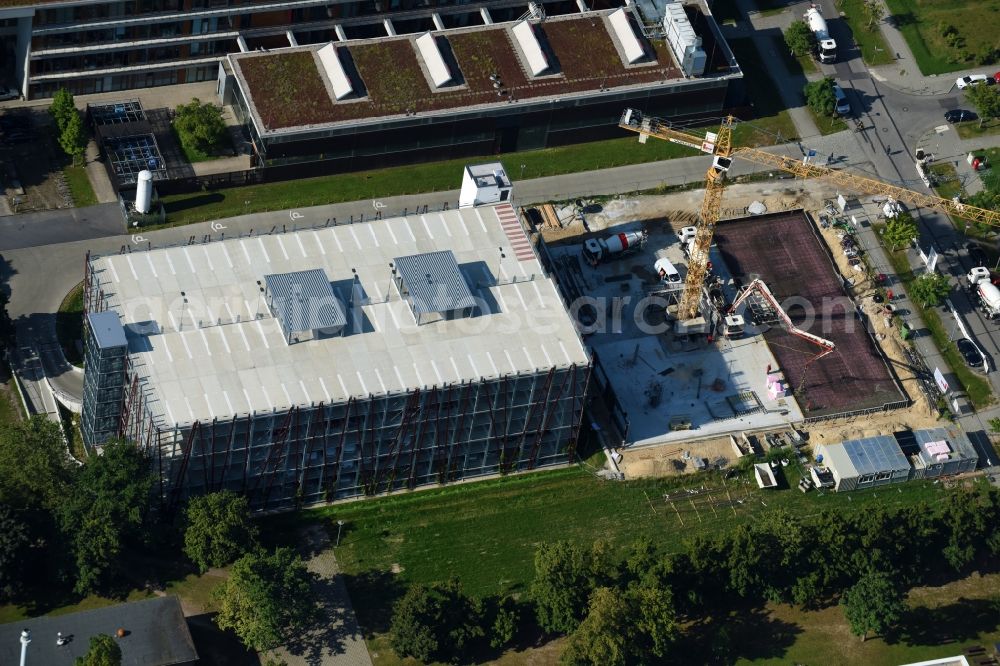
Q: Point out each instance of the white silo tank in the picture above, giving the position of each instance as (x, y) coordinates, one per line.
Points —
(144, 192)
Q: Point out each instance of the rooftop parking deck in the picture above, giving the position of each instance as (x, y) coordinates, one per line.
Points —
(202, 338)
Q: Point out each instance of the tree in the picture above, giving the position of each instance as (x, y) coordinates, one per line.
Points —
(604, 636)
(875, 11)
(636, 627)
(930, 289)
(873, 604)
(799, 39)
(900, 230)
(200, 126)
(995, 424)
(104, 512)
(103, 651)
(267, 598)
(218, 529)
(986, 100)
(34, 468)
(435, 623)
(820, 96)
(62, 108)
(14, 541)
(73, 138)
(565, 574)
(505, 623)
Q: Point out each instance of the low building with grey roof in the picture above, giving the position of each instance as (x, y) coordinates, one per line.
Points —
(151, 632)
(341, 361)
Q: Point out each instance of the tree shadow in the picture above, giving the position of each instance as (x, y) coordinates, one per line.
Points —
(376, 592)
(216, 647)
(744, 633)
(333, 626)
(963, 620)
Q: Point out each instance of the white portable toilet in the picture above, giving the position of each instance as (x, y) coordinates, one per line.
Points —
(144, 192)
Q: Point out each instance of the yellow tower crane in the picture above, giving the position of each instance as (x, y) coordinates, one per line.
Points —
(719, 145)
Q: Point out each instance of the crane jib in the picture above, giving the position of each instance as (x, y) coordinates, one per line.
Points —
(696, 146)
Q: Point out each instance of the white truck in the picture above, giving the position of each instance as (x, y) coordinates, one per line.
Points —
(597, 250)
(826, 46)
(989, 295)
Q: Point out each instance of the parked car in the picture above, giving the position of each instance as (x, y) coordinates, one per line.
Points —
(996, 77)
(970, 80)
(8, 93)
(977, 255)
(960, 115)
(970, 352)
(843, 106)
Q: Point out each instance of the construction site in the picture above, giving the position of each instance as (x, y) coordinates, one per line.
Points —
(710, 320)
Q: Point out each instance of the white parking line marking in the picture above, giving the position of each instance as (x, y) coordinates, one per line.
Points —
(225, 343)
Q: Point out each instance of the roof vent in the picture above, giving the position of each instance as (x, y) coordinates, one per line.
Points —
(433, 285)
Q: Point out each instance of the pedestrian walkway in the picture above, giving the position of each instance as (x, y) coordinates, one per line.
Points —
(336, 639)
(98, 175)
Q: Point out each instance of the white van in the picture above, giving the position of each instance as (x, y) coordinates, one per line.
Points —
(843, 107)
(666, 271)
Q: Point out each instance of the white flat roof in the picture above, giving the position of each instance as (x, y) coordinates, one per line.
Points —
(335, 71)
(233, 363)
(626, 35)
(429, 51)
(532, 50)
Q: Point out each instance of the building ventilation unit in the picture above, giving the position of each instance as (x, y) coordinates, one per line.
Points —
(683, 42)
(433, 285)
(304, 304)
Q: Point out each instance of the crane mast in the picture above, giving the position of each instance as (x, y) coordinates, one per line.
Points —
(721, 148)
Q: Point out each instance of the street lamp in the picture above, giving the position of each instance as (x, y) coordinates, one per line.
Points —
(340, 526)
(25, 639)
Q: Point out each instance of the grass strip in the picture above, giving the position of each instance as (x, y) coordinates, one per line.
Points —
(79, 186)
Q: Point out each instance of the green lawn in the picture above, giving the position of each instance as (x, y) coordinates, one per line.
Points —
(69, 324)
(948, 185)
(871, 43)
(486, 533)
(79, 186)
(991, 176)
(446, 175)
(972, 130)
(922, 24)
(10, 403)
(964, 610)
(13, 612)
(975, 385)
(826, 124)
(797, 65)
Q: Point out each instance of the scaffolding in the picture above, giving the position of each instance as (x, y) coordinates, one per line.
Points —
(309, 454)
